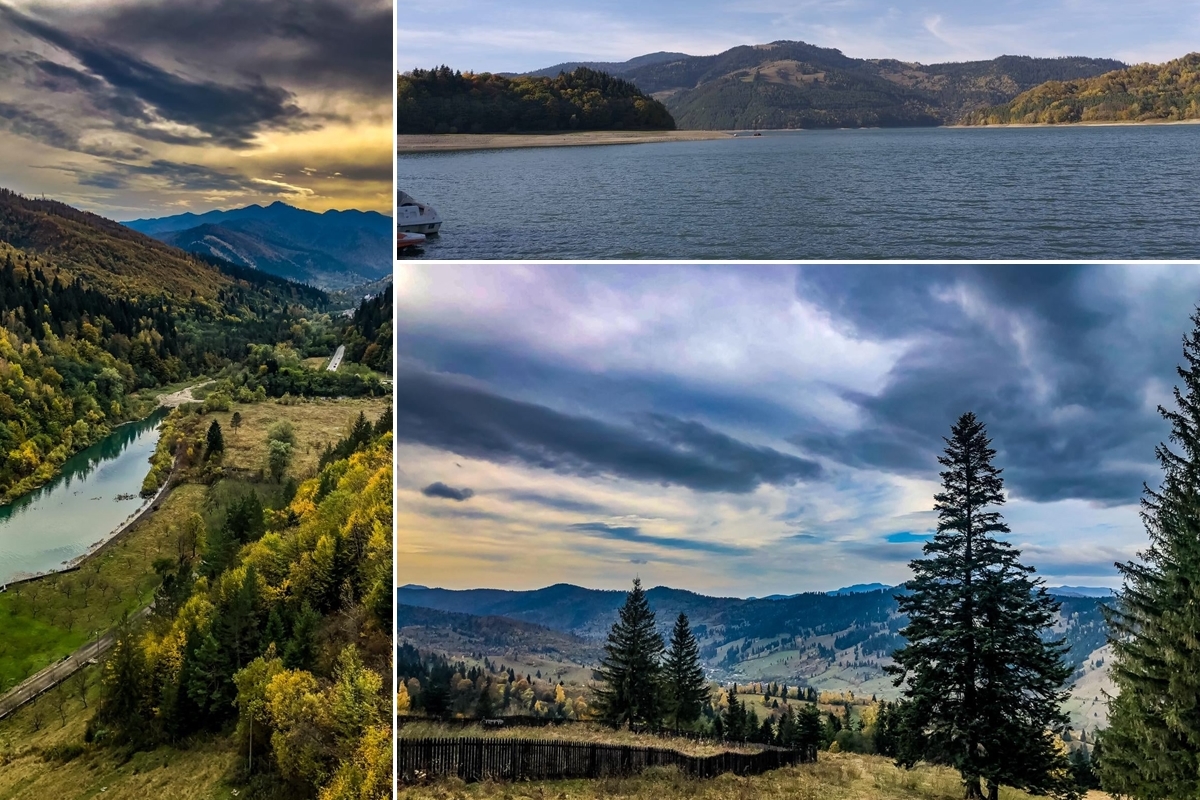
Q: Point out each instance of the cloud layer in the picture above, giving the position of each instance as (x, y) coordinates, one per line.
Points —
(151, 106)
(787, 420)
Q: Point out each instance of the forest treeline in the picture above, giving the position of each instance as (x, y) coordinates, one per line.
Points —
(1146, 92)
(443, 100)
(368, 337)
(273, 626)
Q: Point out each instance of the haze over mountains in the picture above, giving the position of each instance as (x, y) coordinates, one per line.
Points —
(835, 640)
(331, 250)
(786, 84)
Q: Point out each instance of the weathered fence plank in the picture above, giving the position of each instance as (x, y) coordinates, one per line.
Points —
(504, 759)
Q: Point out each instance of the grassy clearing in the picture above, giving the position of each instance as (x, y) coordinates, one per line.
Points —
(317, 423)
(45, 620)
(836, 776)
(29, 768)
(580, 732)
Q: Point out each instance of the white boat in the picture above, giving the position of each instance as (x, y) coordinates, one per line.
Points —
(404, 240)
(414, 217)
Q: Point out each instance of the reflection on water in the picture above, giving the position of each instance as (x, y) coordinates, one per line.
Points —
(96, 491)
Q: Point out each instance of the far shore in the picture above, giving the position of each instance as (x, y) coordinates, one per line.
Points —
(447, 142)
(1086, 123)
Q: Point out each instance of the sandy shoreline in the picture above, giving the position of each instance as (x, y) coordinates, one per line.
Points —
(449, 142)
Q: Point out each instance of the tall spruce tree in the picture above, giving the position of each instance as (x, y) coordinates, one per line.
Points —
(214, 440)
(684, 685)
(1152, 745)
(631, 668)
(983, 687)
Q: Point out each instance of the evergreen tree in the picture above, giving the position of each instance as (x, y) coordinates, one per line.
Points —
(1152, 745)
(631, 669)
(983, 689)
(685, 688)
(301, 650)
(215, 441)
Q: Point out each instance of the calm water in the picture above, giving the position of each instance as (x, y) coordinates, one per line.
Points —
(42, 530)
(1043, 193)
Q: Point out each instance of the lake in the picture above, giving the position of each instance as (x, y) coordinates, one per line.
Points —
(42, 530)
(1113, 192)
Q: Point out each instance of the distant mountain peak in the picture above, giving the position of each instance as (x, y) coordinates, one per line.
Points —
(332, 249)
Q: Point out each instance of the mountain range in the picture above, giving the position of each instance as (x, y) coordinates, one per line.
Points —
(789, 84)
(331, 250)
(833, 641)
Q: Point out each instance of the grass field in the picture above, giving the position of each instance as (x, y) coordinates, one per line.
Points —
(317, 423)
(29, 769)
(580, 732)
(835, 776)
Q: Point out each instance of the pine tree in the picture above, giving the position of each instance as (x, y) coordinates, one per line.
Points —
(983, 689)
(685, 688)
(631, 669)
(215, 441)
(1152, 745)
(301, 649)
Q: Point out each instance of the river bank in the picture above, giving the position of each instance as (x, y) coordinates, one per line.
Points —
(1084, 124)
(407, 144)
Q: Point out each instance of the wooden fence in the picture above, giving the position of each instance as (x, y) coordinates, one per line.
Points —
(503, 759)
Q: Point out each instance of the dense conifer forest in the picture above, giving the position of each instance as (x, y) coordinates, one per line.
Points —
(443, 100)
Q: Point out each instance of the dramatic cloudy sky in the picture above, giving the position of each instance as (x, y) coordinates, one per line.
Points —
(769, 429)
(149, 107)
(539, 33)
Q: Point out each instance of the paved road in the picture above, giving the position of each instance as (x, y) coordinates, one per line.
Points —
(59, 671)
(336, 361)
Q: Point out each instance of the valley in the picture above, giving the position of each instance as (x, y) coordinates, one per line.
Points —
(252, 447)
(833, 643)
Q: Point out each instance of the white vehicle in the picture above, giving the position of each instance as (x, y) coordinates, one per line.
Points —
(414, 217)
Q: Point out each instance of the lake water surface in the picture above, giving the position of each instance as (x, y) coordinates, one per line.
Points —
(42, 530)
(1113, 192)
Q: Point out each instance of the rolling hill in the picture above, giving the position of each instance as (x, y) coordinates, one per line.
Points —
(827, 641)
(788, 84)
(332, 250)
(1144, 93)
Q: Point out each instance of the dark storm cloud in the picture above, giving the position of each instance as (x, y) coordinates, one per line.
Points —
(1063, 393)
(132, 92)
(437, 412)
(630, 533)
(339, 44)
(558, 503)
(439, 489)
(173, 174)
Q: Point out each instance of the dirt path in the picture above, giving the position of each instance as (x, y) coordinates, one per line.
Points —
(37, 685)
(184, 395)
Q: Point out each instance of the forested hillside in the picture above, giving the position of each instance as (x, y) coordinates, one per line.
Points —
(1143, 93)
(288, 639)
(822, 640)
(91, 312)
(445, 101)
(368, 337)
(788, 84)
